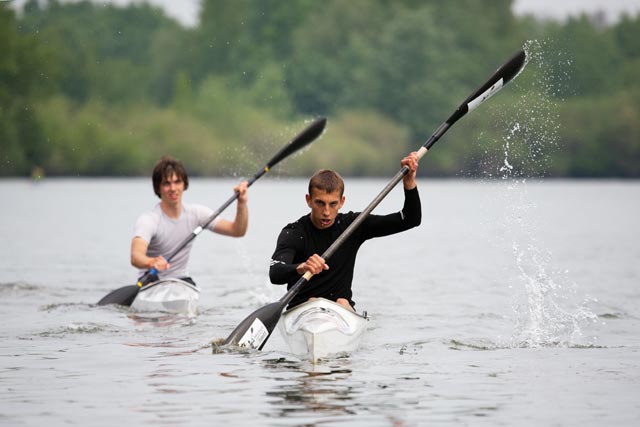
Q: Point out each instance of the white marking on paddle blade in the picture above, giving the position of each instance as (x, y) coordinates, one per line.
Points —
(486, 95)
(255, 336)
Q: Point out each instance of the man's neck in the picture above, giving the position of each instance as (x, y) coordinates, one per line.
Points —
(173, 211)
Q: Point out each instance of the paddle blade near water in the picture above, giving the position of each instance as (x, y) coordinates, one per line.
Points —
(123, 296)
(256, 328)
(126, 294)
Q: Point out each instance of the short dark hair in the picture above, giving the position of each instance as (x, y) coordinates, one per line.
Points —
(326, 180)
(166, 167)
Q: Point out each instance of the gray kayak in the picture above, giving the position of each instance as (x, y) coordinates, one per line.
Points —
(168, 296)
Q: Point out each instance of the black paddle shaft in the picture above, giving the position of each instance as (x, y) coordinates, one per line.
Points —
(255, 330)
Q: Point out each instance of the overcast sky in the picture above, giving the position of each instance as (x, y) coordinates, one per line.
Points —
(186, 11)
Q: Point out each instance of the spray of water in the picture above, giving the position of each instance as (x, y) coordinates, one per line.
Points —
(544, 314)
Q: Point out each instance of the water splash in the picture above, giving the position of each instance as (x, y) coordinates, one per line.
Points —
(545, 315)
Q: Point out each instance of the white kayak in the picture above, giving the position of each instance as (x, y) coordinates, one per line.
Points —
(168, 296)
(320, 328)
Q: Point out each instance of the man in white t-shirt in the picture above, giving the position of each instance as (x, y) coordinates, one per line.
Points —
(160, 231)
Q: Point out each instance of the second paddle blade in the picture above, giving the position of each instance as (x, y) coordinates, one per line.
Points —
(254, 330)
(123, 296)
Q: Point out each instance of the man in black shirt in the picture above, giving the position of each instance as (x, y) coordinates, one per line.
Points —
(300, 242)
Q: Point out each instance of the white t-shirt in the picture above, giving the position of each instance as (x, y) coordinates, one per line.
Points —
(165, 234)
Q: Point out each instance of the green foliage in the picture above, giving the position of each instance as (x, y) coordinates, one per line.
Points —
(627, 36)
(103, 51)
(237, 38)
(98, 89)
(594, 55)
(414, 47)
(24, 79)
(332, 51)
(357, 143)
(596, 147)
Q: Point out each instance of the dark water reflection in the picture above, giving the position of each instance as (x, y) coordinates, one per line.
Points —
(323, 390)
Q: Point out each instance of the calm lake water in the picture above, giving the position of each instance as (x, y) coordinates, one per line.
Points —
(514, 303)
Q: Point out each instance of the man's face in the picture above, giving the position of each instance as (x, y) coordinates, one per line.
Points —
(324, 207)
(171, 189)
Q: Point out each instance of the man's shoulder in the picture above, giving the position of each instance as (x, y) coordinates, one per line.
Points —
(152, 214)
(147, 222)
(196, 210)
(189, 205)
(297, 224)
(193, 207)
(347, 217)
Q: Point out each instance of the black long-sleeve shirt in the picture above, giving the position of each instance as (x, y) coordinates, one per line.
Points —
(301, 239)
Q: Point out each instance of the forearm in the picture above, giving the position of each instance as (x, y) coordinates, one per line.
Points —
(139, 258)
(280, 273)
(142, 261)
(241, 222)
(411, 163)
(409, 182)
(286, 258)
(237, 227)
(412, 208)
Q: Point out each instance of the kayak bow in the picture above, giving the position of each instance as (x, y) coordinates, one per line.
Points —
(320, 328)
(168, 295)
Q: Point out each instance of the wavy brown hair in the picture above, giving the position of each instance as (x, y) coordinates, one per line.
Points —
(166, 167)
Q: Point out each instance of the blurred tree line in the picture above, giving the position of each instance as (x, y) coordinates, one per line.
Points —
(96, 89)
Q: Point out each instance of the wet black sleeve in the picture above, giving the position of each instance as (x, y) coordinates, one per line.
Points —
(410, 216)
(283, 261)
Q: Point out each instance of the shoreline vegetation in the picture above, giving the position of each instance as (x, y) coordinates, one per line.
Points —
(92, 90)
